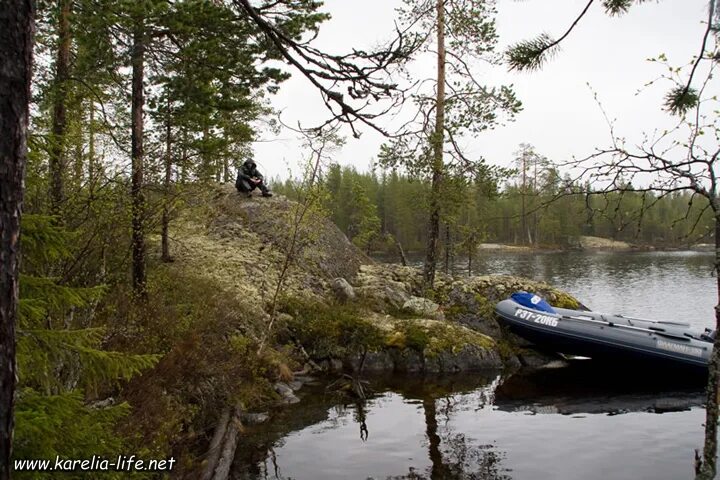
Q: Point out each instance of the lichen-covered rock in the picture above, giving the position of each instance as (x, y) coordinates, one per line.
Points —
(472, 301)
(388, 287)
(241, 244)
(423, 307)
(426, 345)
(383, 295)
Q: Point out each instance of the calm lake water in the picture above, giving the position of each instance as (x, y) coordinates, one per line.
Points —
(582, 422)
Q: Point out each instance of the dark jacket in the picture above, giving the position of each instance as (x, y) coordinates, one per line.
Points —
(248, 171)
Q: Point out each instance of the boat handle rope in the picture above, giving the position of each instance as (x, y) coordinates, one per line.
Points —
(628, 327)
(665, 322)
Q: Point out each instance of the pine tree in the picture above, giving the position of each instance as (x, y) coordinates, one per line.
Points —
(16, 43)
(460, 105)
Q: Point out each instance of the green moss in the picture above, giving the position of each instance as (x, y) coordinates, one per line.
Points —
(486, 308)
(430, 339)
(416, 336)
(507, 349)
(331, 331)
(564, 300)
(456, 310)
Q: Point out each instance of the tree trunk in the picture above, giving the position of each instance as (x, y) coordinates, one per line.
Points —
(708, 467)
(471, 247)
(401, 253)
(138, 199)
(228, 447)
(215, 448)
(438, 141)
(17, 23)
(59, 121)
(449, 250)
(523, 219)
(226, 170)
(168, 178)
(183, 158)
(91, 150)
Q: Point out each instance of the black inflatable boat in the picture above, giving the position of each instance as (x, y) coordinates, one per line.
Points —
(606, 337)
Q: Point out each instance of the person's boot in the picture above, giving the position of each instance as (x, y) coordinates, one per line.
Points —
(265, 191)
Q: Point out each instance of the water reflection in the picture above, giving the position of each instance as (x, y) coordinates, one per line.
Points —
(476, 427)
(584, 388)
(551, 424)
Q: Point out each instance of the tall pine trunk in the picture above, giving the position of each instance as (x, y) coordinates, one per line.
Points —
(91, 150)
(524, 231)
(17, 20)
(708, 468)
(438, 141)
(59, 121)
(166, 187)
(136, 191)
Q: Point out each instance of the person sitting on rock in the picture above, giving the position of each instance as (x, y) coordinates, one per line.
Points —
(249, 179)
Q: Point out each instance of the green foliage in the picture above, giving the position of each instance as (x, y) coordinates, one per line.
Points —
(52, 359)
(62, 425)
(43, 241)
(365, 223)
(57, 359)
(484, 210)
(331, 331)
(530, 54)
(681, 99)
(41, 298)
(415, 336)
(432, 339)
(617, 7)
(486, 308)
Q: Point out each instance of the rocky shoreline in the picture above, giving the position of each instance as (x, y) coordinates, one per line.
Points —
(341, 314)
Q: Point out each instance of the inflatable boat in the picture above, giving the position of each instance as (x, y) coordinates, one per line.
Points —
(632, 341)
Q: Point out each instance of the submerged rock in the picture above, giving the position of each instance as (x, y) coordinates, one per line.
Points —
(254, 418)
(286, 393)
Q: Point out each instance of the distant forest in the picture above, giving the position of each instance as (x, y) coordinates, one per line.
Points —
(541, 208)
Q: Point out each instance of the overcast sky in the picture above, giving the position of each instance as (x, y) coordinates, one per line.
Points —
(560, 116)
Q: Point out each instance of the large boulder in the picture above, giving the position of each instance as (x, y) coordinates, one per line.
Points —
(389, 287)
(343, 291)
(423, 307)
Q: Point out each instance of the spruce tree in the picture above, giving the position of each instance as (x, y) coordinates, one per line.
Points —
(61, 362)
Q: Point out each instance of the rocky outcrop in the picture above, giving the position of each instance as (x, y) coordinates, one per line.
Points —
(240, 244)
(466, 302)
(585, 242)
